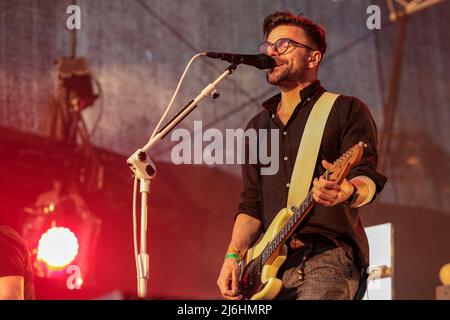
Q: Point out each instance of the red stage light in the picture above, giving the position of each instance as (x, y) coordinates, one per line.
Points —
(57, 248)
(62, 233)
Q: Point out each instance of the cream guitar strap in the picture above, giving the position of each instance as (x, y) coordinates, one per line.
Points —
(309, 149)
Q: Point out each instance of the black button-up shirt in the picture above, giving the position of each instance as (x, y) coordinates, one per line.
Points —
(349, 122)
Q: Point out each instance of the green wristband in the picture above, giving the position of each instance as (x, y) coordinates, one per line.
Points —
(234, 256)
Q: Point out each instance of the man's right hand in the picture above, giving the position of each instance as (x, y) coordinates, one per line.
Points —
(245, 232)
(228, 281)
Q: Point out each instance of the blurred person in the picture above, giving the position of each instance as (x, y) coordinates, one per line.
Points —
(16, 275)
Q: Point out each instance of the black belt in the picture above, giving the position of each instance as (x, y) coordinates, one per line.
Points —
(309, 241)
(313, 244)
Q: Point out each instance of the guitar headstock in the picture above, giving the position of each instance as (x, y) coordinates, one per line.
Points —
(342, 166)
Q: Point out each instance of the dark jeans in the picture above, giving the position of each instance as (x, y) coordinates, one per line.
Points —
(329, 275)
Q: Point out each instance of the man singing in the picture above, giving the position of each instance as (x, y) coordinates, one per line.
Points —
(328, 257)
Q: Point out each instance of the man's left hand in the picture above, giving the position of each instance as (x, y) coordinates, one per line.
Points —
(327, 192)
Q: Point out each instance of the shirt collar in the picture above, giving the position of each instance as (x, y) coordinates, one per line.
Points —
(307, 92)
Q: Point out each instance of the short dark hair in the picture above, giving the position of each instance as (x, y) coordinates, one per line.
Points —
(314, 32)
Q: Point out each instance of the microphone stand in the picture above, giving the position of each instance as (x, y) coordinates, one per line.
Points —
(143, 168)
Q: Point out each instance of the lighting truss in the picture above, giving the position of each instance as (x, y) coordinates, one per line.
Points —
(400, 8)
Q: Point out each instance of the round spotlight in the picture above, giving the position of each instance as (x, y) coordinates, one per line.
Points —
(444, 274)
(57, 247)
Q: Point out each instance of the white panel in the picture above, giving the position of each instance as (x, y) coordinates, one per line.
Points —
(380, 244)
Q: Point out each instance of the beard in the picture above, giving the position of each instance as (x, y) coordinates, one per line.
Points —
(285, 74)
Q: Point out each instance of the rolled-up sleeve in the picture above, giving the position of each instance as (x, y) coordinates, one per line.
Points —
(250, 199)
(360, 126)
(251, 202)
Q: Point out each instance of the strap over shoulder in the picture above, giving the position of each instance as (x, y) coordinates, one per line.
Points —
(309, 149)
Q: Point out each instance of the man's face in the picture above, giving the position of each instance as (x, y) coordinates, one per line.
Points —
(291, 66)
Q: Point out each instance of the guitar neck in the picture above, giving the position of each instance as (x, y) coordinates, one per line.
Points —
(299, 215)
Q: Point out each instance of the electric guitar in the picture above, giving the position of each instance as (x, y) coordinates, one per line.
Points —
(258, 279)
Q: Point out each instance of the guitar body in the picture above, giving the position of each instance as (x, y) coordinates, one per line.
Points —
(264, 284)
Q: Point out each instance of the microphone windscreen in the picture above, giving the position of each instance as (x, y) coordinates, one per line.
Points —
(265, 62)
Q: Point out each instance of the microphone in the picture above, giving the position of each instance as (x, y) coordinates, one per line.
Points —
(260, 61)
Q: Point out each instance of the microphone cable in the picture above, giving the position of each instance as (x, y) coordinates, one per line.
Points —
(174, 96)
(135, 183)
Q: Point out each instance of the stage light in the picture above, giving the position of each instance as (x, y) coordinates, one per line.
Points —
(62, 232)
(77, 89)
(444, 274)
(76, 79)
(57, 248)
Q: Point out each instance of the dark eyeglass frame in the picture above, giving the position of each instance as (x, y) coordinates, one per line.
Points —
(277, 43)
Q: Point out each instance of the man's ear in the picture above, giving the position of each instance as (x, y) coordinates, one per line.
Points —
(314, 59)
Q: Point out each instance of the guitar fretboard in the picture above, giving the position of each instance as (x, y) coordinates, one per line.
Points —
(281, 236)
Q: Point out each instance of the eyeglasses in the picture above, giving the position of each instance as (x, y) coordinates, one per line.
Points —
(281, 46)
